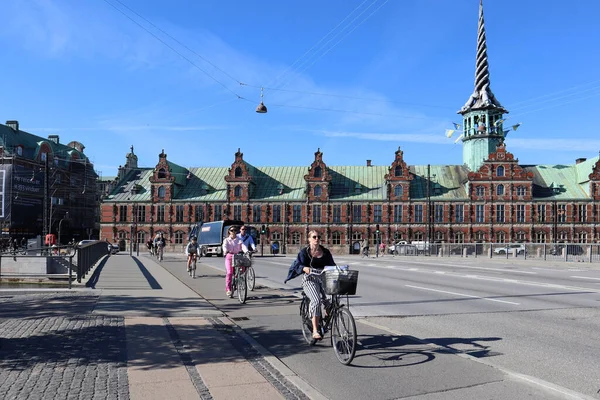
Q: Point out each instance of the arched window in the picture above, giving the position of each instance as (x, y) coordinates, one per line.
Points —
(162, 173)
(500, 237)
(161, 192)
(318, 172)
(500, 190)
(296, 238)
(238, 172)
(438, 236)
(20, 151)
(581, 237)
(357, 236)
(500, 171)
(520, 236)
(398, 190)
(318, 191)
(237, 191)
(418, 236)
(276, 236)
(141, 237)
(179, 237)
(540, 237)
(398, 171)
(336, 238)
(480, 191)
(459, 237)
(480, 236)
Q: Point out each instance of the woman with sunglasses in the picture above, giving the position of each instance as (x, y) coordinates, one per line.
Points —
(314, 256)
(231, 245)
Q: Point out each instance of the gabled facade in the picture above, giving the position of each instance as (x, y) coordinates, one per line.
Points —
(490, 197)
(42, 182)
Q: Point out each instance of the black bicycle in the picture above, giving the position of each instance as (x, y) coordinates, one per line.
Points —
(241, 264)
(339, 321)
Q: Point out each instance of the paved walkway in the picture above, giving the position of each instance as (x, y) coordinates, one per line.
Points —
(136, 332)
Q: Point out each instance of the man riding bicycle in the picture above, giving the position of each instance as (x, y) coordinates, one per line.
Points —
(193, 252)
(246, 239)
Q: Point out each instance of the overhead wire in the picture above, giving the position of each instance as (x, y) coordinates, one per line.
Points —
(273, 81)
(343, 37)
(175, 50)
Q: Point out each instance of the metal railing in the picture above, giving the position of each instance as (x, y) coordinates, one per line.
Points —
(88, 255)
(576, 252)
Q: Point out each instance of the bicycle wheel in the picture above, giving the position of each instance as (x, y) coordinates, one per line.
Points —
(242, 286)
(307, 330)
(343, 336)
(250, 278)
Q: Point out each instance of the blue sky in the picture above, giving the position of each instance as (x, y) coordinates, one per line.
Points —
(395, 72)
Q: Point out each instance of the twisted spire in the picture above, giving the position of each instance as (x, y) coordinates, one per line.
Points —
(482, 96)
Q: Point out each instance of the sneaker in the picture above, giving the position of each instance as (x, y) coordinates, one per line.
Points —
(229, 294)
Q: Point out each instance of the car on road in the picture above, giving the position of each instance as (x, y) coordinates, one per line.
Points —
(81, 243)
(511, 249)
(114, 248)
(399, 244)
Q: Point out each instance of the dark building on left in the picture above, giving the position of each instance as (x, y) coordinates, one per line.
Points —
(46, 187)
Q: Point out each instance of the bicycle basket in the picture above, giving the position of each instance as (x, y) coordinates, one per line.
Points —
(240, 260)
(340, 282)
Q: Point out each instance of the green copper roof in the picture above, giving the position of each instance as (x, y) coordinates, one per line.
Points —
(348, 183)
(562, 182)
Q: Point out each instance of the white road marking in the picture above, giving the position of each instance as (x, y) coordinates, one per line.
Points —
(461, 294)
(484, 268)
(440, 272)
(585, 277)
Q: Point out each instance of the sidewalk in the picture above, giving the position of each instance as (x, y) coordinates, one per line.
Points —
(136, 332)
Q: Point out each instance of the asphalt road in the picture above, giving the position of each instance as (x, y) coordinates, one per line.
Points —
(434, 328)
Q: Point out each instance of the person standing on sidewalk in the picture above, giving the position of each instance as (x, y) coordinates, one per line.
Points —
(231, 245)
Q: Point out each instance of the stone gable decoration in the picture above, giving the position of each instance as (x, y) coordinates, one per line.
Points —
(595, 181)
(239, 181)
(398, 178)
(162, 181)
(318, 179)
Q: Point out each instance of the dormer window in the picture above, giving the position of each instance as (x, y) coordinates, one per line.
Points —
(238, 172)
(398, 190)
(500, 189)
(161, 192)
(237, 191)
(398, 171)
(318, 172)
(500, 171)
(357, 188)
(162, 174)
(318, 191)
(20, 151)
(479, 191)
(44, 156)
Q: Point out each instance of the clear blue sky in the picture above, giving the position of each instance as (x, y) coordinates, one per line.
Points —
(85, 71)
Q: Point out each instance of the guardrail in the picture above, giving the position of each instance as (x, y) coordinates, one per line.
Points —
(578, 252)
(88, 255)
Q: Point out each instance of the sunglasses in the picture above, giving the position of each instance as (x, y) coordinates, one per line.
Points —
(316, 237)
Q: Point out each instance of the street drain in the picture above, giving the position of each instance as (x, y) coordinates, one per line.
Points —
(240, 319)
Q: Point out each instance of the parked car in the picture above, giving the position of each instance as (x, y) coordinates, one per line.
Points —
(81, 243)
(392, 247)
(511, 249)
(114, 248)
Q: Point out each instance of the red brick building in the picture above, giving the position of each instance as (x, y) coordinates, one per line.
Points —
(489, 198)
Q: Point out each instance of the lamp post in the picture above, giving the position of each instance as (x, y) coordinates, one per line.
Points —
(60, 223)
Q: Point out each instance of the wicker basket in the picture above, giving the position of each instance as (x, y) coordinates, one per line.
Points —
(340, 282)
(240, 260)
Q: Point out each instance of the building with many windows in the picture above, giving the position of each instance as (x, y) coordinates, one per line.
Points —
(489, 198)
(46, 187)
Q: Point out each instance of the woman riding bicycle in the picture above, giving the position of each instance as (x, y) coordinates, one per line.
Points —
(231, 245)
(193, 252)
(316, 257)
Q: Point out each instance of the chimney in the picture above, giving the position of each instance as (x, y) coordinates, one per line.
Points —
(368, 163)
(580, 160)
(13, 124)
(53, 138)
